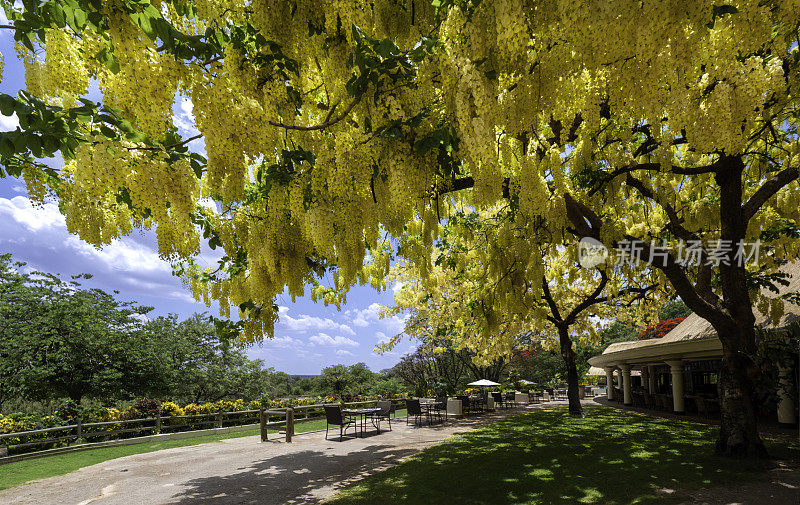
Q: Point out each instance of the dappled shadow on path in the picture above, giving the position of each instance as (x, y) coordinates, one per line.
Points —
(291, 478)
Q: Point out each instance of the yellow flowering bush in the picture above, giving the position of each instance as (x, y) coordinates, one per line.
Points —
(171, 409)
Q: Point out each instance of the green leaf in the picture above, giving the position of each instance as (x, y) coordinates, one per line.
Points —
(57, 13)
(34, 144)
(7, 103)
(108, 132)
(80, 18)
(6, 146)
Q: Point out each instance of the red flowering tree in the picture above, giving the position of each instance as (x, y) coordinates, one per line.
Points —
(659, 329)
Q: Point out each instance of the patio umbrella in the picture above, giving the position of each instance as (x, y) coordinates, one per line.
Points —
(523, 381)
(483, 382)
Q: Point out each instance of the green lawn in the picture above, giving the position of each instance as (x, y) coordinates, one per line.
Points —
(546, 457)
(14, 474)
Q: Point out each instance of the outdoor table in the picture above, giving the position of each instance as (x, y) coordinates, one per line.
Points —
(361, 418)
(428, 405)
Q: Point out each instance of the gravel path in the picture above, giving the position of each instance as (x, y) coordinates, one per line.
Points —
(242, 470)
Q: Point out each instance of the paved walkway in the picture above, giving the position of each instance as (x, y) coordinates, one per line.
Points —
(242, 470)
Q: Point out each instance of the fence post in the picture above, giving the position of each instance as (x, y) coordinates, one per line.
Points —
(219, 419)
(78, 428)
(289, 424)
(263, 416)
(158, 421)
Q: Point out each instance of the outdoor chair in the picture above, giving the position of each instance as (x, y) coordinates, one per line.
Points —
(413, 408)
(711, 407)
(498, 400)
(385, 412)
(648, 400)
(510, 399)
(441, 406)
(333, 416)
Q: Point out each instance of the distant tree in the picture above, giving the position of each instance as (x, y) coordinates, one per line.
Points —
(197, 365)
(59, 340)
(345, 382)
(673, 309)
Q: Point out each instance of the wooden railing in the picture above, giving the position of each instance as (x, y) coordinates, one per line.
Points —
(307, 413)
(84, 433)
(80, 434)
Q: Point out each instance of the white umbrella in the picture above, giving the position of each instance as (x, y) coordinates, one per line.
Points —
(523, 381)
(483, 382)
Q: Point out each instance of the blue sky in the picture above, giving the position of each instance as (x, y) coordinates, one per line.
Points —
(308, 336)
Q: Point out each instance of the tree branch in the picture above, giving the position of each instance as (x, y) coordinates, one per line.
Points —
(674, 221)
(325, 124)
(548, 297)
(589, 300)
(767, 191)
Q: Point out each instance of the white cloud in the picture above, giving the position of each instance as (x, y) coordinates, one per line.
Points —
(363, 317)
(371, 315)
(382, 338)
(184, 119)
(124, 255)
(327, 340)
(19, 189)
(342, 352)
(209, 204)
(397, 287)
(8, 123)
(38, 234)
(37, 218)
(284, 342)
(304, 322)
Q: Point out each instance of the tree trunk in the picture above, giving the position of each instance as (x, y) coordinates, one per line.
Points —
(572, 371)
(738, 434)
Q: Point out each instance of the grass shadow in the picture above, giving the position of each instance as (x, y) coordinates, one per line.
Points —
(546, 457)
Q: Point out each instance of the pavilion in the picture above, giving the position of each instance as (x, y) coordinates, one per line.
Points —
(684, 362)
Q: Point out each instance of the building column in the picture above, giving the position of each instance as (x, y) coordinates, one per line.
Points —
(626, 384)
(619, 378)
(609, 382)
(786, 416)
(676, 367)
(651, 379)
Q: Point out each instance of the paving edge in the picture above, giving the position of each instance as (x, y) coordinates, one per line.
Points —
(127, 441)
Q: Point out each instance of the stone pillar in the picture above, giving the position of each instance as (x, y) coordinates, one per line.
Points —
(609, 382)
(626, 384)
(454, 407)
(676, 368)
(786, 416)
(651, 379)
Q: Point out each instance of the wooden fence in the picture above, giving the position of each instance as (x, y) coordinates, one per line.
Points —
(300, 413)
(87, 434)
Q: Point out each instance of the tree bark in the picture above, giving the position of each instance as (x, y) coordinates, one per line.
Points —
(568, 354)
(738, 434)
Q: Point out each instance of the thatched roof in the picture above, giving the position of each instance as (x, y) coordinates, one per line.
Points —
(596, 370)
(697, 334)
